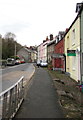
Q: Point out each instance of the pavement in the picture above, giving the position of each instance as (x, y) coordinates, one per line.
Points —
(41, 100)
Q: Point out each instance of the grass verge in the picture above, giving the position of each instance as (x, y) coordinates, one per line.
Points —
(70, 97)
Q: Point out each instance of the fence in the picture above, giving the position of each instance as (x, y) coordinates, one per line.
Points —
(11, 99)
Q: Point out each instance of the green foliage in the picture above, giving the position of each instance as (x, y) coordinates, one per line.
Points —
(15, 57)
(8, 46)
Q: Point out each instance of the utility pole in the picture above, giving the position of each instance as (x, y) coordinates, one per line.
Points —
(15, 50)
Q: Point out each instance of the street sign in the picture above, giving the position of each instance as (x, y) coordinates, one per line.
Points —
(71, 52)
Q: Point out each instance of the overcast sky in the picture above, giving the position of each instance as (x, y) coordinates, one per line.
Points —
(32, 20)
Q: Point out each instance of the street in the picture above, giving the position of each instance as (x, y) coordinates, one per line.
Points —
(11, 74)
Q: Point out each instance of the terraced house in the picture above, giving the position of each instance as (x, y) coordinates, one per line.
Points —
(50, 48)
(58, 57)
(42, 50)
(73, 47)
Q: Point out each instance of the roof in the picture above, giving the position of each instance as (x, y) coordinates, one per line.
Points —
(78, 15)
(51, 42)
(24, 48)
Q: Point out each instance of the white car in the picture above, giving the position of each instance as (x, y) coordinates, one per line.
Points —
(10, 61)
(17, 62)
(43, 64)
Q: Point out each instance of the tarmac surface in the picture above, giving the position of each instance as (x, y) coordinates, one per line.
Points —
(10, 75)
(41, 99)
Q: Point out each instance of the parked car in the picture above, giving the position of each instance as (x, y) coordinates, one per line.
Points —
(17, 62)
(43, 64)
(10, 61)
(22, 61)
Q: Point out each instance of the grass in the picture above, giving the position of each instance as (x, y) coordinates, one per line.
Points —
(70, 87)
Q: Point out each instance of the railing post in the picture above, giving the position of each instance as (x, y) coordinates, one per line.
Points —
(11, 99)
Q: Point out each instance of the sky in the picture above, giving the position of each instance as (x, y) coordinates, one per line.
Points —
(33, 20)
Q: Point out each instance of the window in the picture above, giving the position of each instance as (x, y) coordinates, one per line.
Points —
(73, 36)
(74, 62)
(67, 42)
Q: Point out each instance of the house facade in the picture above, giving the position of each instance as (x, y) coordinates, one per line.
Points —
(28, 54)
(33, 56)
(25, 53)
(50, 50)
(72, 49)
(42, 50)
(58, 57)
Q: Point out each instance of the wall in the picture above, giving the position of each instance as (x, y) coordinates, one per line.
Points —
(59, 47)
(59, 63)
(24, 53)
(72, 42)
(50, 50)
(42, 51)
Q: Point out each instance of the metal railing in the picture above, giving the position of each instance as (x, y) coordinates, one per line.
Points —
(11, 99)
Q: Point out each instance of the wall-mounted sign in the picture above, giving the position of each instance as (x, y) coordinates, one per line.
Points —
(71, 52)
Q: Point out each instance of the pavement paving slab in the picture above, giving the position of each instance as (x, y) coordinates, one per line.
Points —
(41, 99)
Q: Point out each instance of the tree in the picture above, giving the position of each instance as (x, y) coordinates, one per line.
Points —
(8, 45)
(10, 35)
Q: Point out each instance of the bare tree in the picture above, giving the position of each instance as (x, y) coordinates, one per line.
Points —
(10, 35)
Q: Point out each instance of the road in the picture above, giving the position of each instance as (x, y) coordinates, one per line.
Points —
(10, 75)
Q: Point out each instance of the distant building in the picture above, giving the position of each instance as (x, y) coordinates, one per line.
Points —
(25, 53)
(42, 50)
(50, 50)
(33, 56)
(29, 54)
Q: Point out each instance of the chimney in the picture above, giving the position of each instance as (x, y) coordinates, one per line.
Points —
(51, 37)
(66, 29)
(47, 38)
(78, 6)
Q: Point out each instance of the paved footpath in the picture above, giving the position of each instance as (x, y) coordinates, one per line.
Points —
(41, 100)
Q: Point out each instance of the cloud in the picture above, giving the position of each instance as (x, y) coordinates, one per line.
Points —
(32, 20)
(14, 27)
